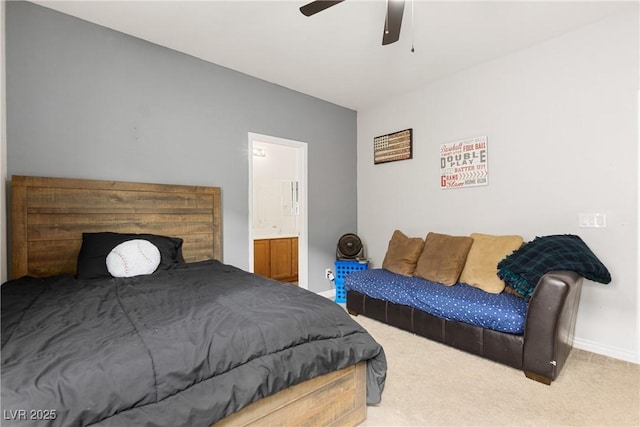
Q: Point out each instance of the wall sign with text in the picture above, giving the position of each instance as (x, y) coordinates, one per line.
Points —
(464, 163)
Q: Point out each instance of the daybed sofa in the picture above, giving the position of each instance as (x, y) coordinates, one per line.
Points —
(429, 287)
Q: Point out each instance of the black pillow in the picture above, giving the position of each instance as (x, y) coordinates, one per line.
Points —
(96, 246)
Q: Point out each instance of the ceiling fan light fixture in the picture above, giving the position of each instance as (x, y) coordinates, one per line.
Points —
(392, 22)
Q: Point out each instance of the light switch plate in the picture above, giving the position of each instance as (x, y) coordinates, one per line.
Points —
(592, 220)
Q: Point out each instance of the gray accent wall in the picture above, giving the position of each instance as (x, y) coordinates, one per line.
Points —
(3, 155)
(84, 101)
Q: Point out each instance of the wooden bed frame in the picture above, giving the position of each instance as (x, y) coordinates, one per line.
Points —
(49, 215)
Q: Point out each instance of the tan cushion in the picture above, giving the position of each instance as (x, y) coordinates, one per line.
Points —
(509, 290)
(402, 253)
(486, 252)
(443, 258)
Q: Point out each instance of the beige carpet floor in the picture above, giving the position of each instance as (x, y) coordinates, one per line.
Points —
(431, 384)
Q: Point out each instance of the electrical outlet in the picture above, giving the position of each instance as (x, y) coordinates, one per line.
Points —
(327, 273)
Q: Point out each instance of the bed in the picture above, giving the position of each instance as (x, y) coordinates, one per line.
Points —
(197, 342)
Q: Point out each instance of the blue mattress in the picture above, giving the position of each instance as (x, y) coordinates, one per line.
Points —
(501, 312)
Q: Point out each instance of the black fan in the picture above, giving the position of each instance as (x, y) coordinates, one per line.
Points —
(392, 23)
(349, 247)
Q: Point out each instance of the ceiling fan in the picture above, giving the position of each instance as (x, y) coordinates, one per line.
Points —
(392, 22)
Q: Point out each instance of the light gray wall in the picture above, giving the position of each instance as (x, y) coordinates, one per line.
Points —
(84, 101)
(561, 120)
(3, 154)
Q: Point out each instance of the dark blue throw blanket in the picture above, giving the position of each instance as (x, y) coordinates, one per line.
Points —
(523, 269)
(461, 302)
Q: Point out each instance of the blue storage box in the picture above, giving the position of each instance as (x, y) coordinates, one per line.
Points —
(343, 268)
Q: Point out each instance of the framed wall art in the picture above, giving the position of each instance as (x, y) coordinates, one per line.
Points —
(393, 146)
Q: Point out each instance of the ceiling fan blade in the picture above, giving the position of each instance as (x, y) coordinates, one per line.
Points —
(393, 22)
(317, 6)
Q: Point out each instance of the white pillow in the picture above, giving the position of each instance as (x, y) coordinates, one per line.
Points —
(133, 258)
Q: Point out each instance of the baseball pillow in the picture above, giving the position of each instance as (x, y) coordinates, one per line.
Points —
(133, 258)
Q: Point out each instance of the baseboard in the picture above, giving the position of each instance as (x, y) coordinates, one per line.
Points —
(605, 350)
(331, 294)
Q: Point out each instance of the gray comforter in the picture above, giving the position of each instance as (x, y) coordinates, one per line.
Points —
(182, 347)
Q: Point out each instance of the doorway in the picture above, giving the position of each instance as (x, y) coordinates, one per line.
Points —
(278, 200)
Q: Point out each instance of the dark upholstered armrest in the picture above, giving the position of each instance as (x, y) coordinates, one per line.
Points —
(550, 324)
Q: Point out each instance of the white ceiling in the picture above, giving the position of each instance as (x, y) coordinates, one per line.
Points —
(337, 54)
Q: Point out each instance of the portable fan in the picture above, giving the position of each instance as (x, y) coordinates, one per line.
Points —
(349, 247)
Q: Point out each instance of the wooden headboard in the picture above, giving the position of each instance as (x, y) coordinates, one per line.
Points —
(49, 215)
